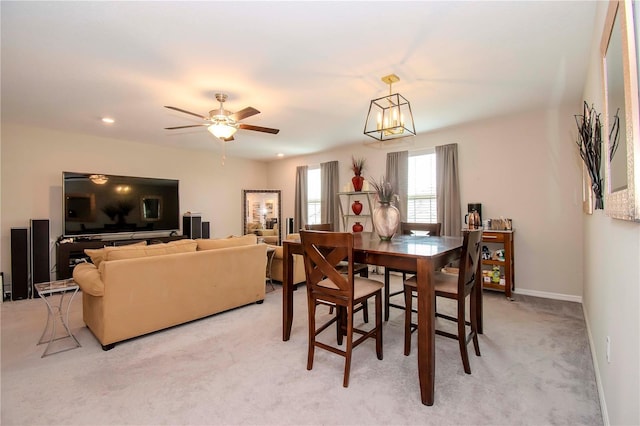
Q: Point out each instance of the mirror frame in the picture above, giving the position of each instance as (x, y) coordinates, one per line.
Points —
(90, 199)
(623, 204)
(143, 208)
(245, 210)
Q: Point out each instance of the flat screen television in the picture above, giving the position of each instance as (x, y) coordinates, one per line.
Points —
(101, 205)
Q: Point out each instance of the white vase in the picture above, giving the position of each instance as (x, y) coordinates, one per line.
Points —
(386, 219)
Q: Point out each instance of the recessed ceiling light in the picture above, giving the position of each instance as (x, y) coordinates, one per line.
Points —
(108, 120)
(280, 155)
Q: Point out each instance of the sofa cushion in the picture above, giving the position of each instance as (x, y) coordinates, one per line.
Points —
(128, 252)
(98, 255)
(218, 243)
(182, 246)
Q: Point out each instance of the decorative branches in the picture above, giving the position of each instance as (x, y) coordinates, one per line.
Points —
(357, 165)
(590, 144)
(385, 192)
(614, 135)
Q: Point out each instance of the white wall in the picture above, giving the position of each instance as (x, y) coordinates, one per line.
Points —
(33, 160)
(612, 286)
(523, 167)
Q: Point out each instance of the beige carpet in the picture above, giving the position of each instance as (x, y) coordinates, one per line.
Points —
(234, 368)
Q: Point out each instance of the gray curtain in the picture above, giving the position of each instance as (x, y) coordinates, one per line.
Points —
(398, 176)
(448, 190)
(329, 194)
(300, 207)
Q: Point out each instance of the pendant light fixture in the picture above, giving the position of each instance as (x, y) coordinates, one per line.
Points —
(389, 117)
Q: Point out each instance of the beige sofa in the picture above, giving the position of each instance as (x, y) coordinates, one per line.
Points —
(137, 290)
(277, 271)
(269, 236)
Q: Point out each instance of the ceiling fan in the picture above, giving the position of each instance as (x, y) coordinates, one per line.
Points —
(222, 123)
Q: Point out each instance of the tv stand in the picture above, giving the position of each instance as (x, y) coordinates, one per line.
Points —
(68, 255)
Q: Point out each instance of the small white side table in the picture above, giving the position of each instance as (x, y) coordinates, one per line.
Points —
(46, 291)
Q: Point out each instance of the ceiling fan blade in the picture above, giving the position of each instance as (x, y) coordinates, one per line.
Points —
(186, 112)
(184, 127)
(258, 128)
(244, 113)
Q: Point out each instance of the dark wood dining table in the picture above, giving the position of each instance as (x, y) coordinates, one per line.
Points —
(419, 254)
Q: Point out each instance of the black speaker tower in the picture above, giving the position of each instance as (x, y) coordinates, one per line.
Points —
(206, 230)
(19, 263)
(289, 225)
(39, 252)
(192, 225)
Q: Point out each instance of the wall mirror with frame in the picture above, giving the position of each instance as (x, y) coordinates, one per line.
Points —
(80, 207)
(620, 78)
(151, 208)
(261, 214)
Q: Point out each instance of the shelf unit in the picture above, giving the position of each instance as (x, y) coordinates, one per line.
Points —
(345, 199)
(507, 270)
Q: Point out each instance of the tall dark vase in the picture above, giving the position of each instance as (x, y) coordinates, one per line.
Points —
(357, 181)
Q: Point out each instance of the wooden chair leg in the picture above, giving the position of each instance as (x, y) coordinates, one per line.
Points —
(364, 273)
(340, 323)
(312, 332)
(386, 294)
(349, 349)
(462, 337)
(378, 302)
(408, 300)
(474, 320)
(365, 311)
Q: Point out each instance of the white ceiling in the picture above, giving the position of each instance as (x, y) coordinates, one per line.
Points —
(311, 68)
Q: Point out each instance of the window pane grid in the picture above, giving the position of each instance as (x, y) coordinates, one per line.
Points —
(313, 196)
(421, 203)
(313, 212)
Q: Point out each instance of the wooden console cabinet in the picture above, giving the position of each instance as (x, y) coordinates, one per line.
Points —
(68, 255)
(505, 239)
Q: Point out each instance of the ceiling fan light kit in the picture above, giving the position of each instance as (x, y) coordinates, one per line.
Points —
(224, 124)
(390, 116)
(222, 130)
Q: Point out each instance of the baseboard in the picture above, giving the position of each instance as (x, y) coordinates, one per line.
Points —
(596, 369)
(549, 295)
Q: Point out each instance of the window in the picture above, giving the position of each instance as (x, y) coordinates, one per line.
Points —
(421, 200)
(313, 195)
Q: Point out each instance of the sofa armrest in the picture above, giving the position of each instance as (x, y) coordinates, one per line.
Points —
(277, 266)
(87, 276)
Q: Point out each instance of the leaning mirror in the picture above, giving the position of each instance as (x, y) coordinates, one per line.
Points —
(80, 207)
(622, 145)
(151, 208)
(261, 214)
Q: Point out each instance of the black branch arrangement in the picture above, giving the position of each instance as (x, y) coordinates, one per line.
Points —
(614, 135)
(590, 144)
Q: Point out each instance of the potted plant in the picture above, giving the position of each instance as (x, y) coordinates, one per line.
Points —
(357, 166)
(386, 216)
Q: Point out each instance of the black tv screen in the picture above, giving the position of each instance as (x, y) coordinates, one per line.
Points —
(99, 204)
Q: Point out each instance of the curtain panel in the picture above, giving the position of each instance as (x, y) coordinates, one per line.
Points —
(329, 194)
(300, 207)
(398, 175)
(448, 189)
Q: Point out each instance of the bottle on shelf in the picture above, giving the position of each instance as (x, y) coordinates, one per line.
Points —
(496, 274)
